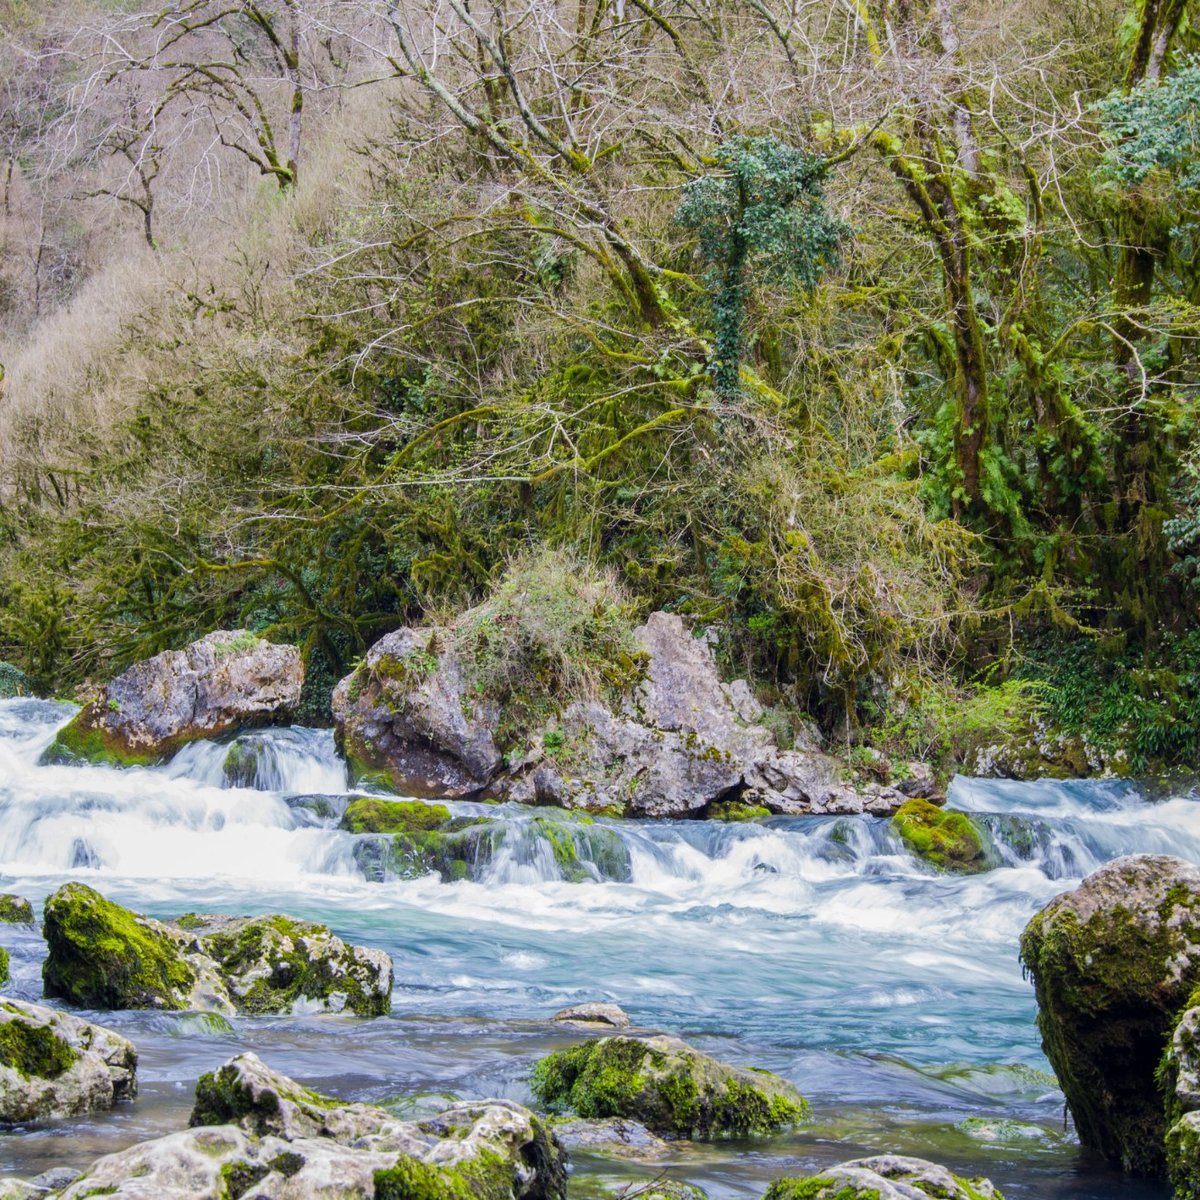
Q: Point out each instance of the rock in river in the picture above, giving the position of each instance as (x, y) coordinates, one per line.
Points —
(257, 1133)
(54, 1064)
(667, 1086)
(104, 956)
(224, 681)
(887, 1177)
(1114, 963)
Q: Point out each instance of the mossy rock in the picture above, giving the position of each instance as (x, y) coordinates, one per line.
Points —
(1114, 964)
(4, 966)
(34, 1051)
(15, 910)
(460, 851)
(665, 1189)
(272, 964)
(80, 742)
(583, 850)
(732, 811)
(104, 956)
(369, 814)
(14, 683)
(243, 762)
(666, 1085)
(950, 841)
(886, 1177)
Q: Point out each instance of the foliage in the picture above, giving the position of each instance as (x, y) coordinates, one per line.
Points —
(761, 217)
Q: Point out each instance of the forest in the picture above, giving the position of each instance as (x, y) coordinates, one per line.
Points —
(860, 333)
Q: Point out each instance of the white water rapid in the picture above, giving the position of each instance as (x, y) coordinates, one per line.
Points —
(815, 947)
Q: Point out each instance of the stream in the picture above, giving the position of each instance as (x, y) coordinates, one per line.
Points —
(814, 947)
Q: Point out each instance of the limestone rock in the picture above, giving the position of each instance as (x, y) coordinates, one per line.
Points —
(613, 1137)
(405, 713)
(887, 1177)
(53, 1064)
(255, 1132)
(666, 1085)
(104, 956)
(1114, 962)
(595, 1013)
(224, 681)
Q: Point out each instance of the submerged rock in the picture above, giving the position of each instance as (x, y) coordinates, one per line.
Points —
(950, 841)
(614, 1137)
(1114, 963)
(666, 1085)
(15, 910)
(104, 956)
(53, 1064)
(596, 1012)
(257, 1133)
(224, 681)
(886, 1177)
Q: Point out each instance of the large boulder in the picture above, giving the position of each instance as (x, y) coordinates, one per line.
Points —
(255, 1132)
(1114, 963)
(53, 1064)
(950, 841)
(406, 715)
(224, 681)
(667, 1086)
(674, 742)
(101, 955)
(886, 1177)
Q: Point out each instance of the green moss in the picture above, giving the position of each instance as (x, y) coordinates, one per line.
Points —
(82, 741)
(460, 851)
(489, 1176)
(222, 1098)
(15, 910)
(190, 922)
(287, 1164)
(237, 1178)
(372, 815)
(34, 1050)
(947, 840)
(293, 972)
(820, 1187)
(676, 1094)
(735, 810)
(4, 966)
(240, 767)
(102, 956)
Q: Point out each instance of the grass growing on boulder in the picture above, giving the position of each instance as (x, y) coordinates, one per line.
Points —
(555, 626)
(947, 840)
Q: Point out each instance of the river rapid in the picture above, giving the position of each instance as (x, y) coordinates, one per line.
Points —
(815, 947)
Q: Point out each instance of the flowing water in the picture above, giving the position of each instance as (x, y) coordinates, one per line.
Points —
(814, 947)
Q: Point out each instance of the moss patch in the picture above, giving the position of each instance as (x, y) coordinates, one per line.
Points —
(669, 1088)
(103, 956)
(34, 1051)
(372, 815)
(949, 841)
(15, 910)
(84, 740)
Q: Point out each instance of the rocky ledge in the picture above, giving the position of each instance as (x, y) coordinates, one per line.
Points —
(104, 956)
(256, 1132)
(225, 681)
(677, 742)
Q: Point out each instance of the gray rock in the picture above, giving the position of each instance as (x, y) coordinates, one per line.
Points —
(1114, 963)
(614, 1137)
(54, 1064)
(224, 681)
(55, 1179)
(405, 713)
(285, 1142)
(595, 1013)
(887, 1177)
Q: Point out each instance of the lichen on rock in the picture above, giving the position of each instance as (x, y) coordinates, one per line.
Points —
(885, 1177)
(666, 1085)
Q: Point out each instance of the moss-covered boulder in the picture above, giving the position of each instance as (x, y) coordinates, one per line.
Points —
(255, 1132)
(15, 910)
(224, 681)
(1114, 963)
(275, 964)
(666, 1085)
(887, 1177)
(104, 956)
(53, 1064)
(370, 814)
(950, 841)
(101, 955)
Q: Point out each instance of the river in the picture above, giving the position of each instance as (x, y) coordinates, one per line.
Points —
(815, 947)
